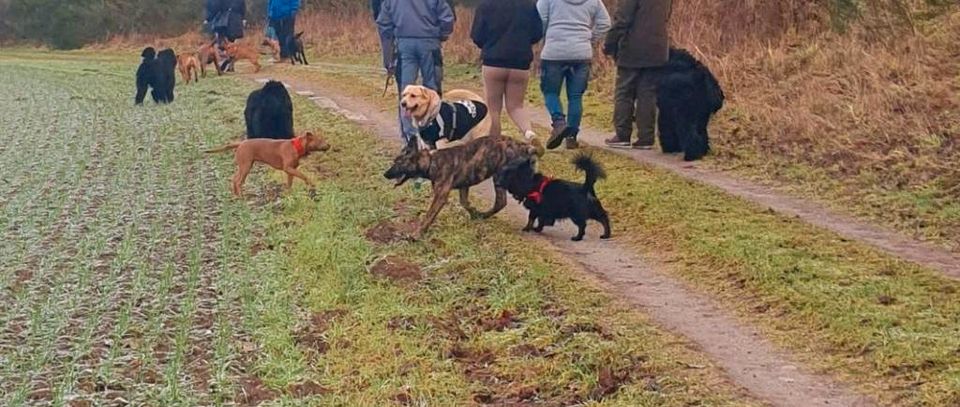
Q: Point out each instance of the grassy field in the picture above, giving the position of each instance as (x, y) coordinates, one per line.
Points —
(130, 275)
(884, 323)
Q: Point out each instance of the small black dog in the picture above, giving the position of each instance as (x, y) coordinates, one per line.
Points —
(549, 200)
(157, 71)
(269, 112)
(295, 43)
(687, 95)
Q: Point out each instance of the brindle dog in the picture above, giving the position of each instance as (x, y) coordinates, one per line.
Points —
(459, 167)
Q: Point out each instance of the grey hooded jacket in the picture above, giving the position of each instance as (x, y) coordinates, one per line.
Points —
(571, 27)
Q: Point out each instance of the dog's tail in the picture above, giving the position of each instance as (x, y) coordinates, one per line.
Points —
(228, 147)
(586, 163)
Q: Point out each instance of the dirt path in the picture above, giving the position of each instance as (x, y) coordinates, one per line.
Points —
(750, 361)
(847, 227)
(885, 239)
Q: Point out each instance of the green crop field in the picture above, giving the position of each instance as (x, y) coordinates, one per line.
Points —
(129, 275)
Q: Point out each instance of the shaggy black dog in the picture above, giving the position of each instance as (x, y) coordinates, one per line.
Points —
(687, 95)
(295, 43)
(269, 112)
(157, 72)
(549, 200)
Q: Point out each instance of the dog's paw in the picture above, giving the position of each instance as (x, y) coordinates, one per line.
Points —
(527, 229)
(576, 238)
(605, 237)
(474, 214)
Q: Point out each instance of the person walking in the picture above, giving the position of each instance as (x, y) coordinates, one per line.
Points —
(283, 17)
(640, 44)
(505, 31)
(571, 27)
(411, 32)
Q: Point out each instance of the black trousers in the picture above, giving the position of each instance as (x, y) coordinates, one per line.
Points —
(284, 27)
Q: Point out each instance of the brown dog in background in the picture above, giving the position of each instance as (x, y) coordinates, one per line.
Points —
(283, 155)
(237, 51)
(208, 54)
(189, 67)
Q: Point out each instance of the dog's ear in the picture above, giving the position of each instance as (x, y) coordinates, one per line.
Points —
(411, 147)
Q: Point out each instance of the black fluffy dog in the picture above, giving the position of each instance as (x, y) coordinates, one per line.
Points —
(687, 96)
(157, 72)
(549, 200)
(269, 112)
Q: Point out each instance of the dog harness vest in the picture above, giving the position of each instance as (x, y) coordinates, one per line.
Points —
(454, 121)
(298, 145)
(537, 194)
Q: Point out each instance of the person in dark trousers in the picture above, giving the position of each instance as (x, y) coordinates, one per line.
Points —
(411, 32)
(226, 18)
(283, 17)
(505, 31)
(571, 27)
(640, 44)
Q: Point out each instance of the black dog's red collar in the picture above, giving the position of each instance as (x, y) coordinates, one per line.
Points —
(537, 194)
(298, 145)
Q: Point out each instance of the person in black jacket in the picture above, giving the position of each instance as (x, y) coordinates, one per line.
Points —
(505, 31)
(226, 18)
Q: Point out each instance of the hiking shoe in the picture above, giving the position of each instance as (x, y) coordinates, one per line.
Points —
(559, 132)
(572, 143)
(617, 142)
(638, 146)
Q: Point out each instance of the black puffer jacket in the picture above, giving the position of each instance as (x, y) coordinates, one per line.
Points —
(505, 31)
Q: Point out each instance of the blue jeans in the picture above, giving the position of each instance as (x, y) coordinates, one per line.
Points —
(576, 74)
(418, 57)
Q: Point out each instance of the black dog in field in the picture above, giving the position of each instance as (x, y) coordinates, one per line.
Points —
(269, 112)
(156, 72)
(549, 200)
(295, 43)
(687, 95)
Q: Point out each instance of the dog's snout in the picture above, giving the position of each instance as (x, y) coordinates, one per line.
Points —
(403, 103)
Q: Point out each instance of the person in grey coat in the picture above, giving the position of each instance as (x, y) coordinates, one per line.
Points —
(571, 27)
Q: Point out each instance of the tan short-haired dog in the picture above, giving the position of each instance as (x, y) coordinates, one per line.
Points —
(238, 51)
(458, 117)
(283, 155)
(189, 67)
(208, 54)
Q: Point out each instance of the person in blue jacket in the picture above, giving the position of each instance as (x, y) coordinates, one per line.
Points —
(283, 16)
(416, 28)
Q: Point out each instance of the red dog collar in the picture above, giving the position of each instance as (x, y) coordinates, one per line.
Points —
(298, 145)
(537, 194)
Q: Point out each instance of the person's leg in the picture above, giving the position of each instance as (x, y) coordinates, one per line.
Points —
(551, 81)
(407, 71)
(494, 87)
(646, 114)
(577, 78)
(624, 106)
(429, 56)
(514, 94)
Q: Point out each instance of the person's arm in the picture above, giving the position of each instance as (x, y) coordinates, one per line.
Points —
(445, 16)
(375, 7)
(478, 31)
(622, 21)
(543, 8)
(385, 27)
(536, 25)
(601, 22)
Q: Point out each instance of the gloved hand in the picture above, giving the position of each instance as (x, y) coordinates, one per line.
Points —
(611, 49)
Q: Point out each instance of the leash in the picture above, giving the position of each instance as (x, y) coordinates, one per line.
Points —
(386, 85)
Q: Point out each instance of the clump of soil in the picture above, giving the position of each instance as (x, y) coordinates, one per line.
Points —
(396, 269)
(307, 389)
(386, 232)
(311, 336)
(253, 392)
(506, 319)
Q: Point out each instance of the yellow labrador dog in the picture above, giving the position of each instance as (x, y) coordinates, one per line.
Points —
(459, 117)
